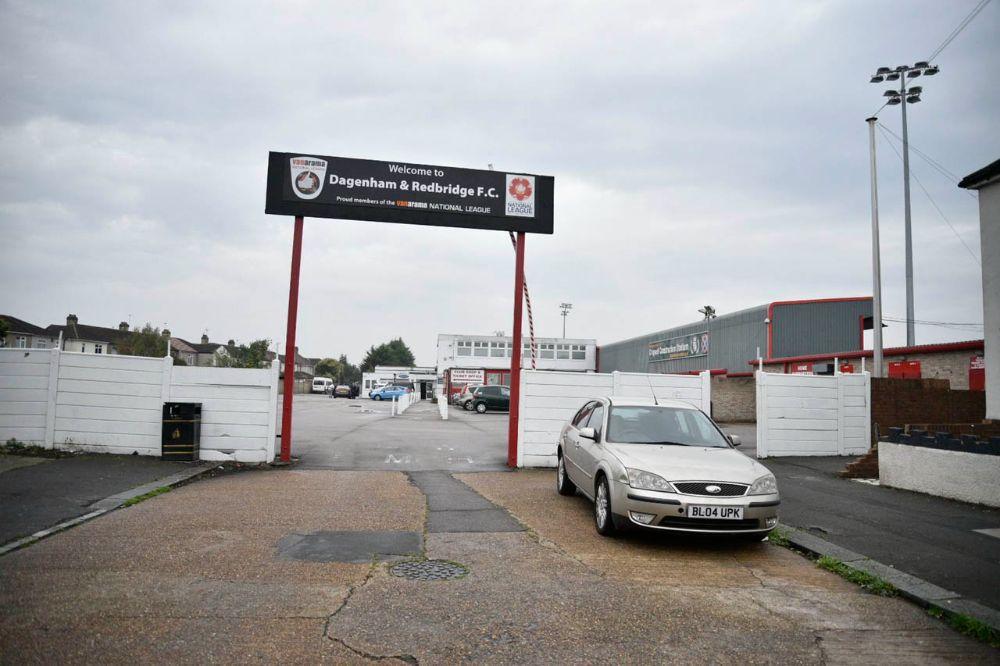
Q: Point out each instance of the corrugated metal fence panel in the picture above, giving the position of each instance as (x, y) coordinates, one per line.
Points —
(733, 342)
(812, 415)
(24, 391)
(549, 400)
(818, 328)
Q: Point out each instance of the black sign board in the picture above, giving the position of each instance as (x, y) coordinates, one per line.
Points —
(353, 189)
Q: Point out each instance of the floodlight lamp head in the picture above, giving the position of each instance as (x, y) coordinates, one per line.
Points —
(890, 93)
(932, 70)
(892, 76)
(912, 99)
(894, 101)
(913, 73)
(877, 79)
(882, 70)
(915, 90)
(921, 64)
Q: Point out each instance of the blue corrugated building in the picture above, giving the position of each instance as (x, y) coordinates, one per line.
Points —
(727, 343)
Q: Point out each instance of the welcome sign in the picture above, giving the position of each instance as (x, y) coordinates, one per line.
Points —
(355, 189)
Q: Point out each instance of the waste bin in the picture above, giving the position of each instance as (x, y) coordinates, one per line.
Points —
(181, 431)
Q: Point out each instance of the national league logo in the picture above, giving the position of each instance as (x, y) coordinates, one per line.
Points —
(520, 195)
(308, 174)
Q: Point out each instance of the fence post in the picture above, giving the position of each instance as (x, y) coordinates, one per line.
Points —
(272, 409)
(706, 392)
(50, 409)
(393, 409)
(616, 382)
(760, 379)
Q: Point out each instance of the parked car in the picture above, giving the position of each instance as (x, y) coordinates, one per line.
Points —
(388, 392)
(663, 466)
(322, 384)
(342, 391)
(495, 398)
(464, 398)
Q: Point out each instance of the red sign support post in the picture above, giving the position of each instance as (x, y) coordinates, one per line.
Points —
(290, 351)
(515, 357)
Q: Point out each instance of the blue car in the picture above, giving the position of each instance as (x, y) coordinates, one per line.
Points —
(388, 393)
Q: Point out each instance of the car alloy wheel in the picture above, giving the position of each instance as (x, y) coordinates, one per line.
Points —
(602, 509)
(378, 397)
(481, 407)
(563, 485)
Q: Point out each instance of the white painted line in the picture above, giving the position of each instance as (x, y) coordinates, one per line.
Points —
(990, 531)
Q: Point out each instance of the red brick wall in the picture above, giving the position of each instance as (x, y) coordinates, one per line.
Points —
(898, 402)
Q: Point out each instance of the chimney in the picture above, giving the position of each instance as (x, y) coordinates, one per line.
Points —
(204, 338)
(71, 320)
(123, 327)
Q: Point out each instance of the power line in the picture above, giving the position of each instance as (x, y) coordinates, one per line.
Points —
(934, 203)
(958, 30)
(930, 160)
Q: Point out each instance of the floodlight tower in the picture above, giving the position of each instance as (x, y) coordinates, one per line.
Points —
(565, 308)
(903, 97)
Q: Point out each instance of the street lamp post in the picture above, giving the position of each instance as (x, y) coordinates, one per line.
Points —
(903, 97)
(565, 307)
(876, 262)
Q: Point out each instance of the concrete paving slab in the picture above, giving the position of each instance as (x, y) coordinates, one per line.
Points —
(457, 501)
(487, 520)
(355, 547)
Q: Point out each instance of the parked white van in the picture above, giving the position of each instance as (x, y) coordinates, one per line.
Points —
(322, 384)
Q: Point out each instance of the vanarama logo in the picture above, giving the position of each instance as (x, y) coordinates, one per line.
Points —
(520, 195)
(308, 174)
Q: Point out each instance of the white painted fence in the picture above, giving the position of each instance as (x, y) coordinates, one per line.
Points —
(813, 415)
(549, 399)
(404, 402)
(442, 405)
(113, 404)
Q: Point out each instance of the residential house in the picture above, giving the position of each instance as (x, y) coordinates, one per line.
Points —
(24, 335)
(77, 337)
(202, 353)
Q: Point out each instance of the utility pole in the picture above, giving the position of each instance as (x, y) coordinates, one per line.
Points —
(903, 98)
(565, 307)
(876, 263)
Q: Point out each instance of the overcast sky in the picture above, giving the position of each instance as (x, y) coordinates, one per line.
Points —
(703, 153)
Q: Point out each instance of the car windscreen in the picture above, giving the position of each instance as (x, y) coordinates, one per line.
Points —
(662, 425)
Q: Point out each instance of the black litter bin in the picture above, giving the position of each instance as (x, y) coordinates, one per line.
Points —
(181, 431)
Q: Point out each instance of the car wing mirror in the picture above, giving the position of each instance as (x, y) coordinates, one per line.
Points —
(588, 433)
(735, 439)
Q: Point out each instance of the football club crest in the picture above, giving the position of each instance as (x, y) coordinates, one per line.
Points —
(308, 174)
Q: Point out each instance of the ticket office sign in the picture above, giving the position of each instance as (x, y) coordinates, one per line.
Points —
(356, 189)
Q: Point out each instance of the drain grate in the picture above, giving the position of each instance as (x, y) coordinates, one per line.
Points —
(429, 570)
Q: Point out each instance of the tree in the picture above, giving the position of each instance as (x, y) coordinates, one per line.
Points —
(147, 341)
(352, 373)
(4, 330)
(329, 367)
(253, 355)
(394, 352)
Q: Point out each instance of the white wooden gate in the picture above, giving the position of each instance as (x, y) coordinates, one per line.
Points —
(813, 415)
(549, 399)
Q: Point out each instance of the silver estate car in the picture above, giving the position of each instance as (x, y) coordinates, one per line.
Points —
(663, 465)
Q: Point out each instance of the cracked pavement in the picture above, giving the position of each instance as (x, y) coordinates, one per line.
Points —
(196, 576)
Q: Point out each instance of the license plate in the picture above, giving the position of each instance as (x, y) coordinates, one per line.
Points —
(716, 512)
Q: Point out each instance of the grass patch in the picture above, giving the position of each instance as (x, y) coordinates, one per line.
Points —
(968, 626)
(865, 580)
(15, 447)
(151, 494)
(779, 537)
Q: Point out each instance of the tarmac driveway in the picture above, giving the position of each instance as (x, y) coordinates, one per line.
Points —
(272, 566)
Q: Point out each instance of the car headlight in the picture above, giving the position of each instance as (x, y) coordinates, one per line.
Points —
(765, 485)
(648, 481)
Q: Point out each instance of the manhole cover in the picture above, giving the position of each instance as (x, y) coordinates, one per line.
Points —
(428, 570)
